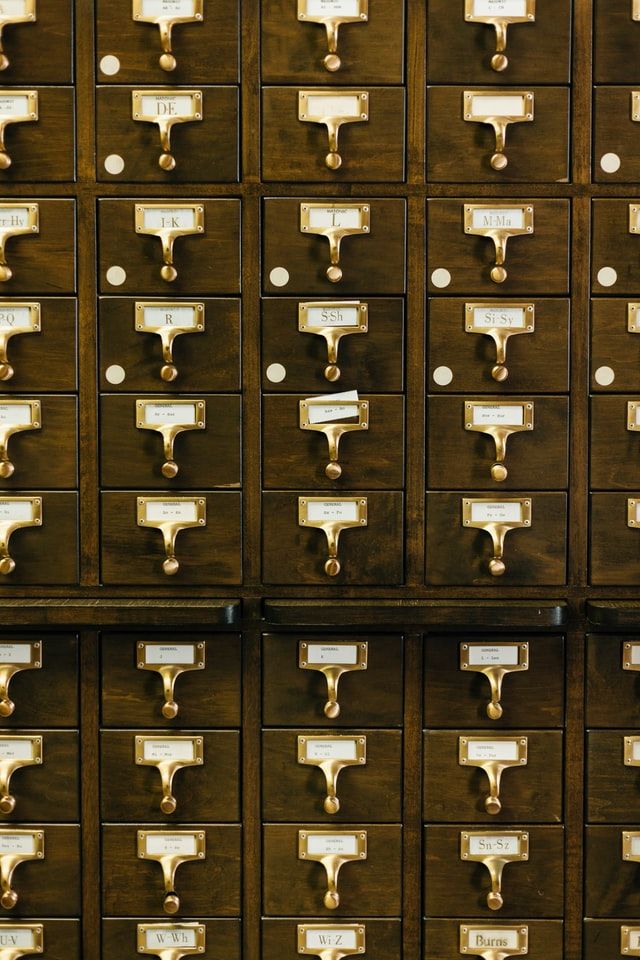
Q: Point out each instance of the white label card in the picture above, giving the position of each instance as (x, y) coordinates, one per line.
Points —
(336, 217)
(167, 413)
(169, 218)
(498, 218)
(170, 316)
(343, 843)
(169, 750)
(494, 845)
(492, 750)
(17, 843)
(180, 843)
(498, 655)
(498, 413)
(15, 413)
(496, 512)
(333, 315)
(638, 517)
(14, 217)
(321, 939)
(17, 937)
(16, 748)
(634, 938)
(333, 410)
(333, 8)
(493, 938)
(170, 511)
(170, 937)
(333, 106)
(635, 653)
(326, 511)
(507, 317)
(496, 8)
(635, 845)
(169, 653)
(495, 106)
(13, 106)
(635, 750)
(16, 511)
(331, 750)
(169, 105)
(322, 653)
(168, 8)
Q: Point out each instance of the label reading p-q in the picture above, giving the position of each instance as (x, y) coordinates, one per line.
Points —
(499, 655)
(494, 845)
(169, 749)
(171, 843)
(333, 8)
(341, 843)
(343, 749)
(492, 750)
(16, 318)
(498, 413)
(333, 315)
(319, 939)
(498, 218)
(169, 218)
(174, 936)
(496, 8)
(17, 843)
(170, 511)
(170, 315)
(11, 936)
(16, 105)
(16, 511)
(327, 511)
(161, 413)
(324, 653)
(15, 653)
(170, 653)
(168, 8)
(347, 218)
(495, 106)
(499, 317)
(496, 512)
(17, 748)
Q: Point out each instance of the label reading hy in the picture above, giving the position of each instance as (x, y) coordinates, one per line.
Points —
(168, 8)
(13, 106)
(492, 750)
(17, 936)
(15, 413)
(333, 8)
(167, 413)
(167, 105)
(507, 317)
(16, 749)
(493, 938)
(169, 316)
(498, 219)
(170, 511)
(174, 843)
(323, 653)
(12, 218)
(498, 413)
(492, 106)
(333, 315)
(17, 843)
(493, 656)
(496, 845)
(496, 512)
(170, 653)
(496, 8)
(322, 939)
(16, 511)
(333, 106)
(348, 218)
(331, 750)
(169, 218)
(341, 843)
(168, 750)
(328, 511)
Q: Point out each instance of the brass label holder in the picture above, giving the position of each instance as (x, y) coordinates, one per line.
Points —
(171, 108)
(331, 15)
(170, 660)
(494, 756)
(631, 846)
(332, 753)
(495, 661)
(168, 223)
(332, 850)
(630, 936)
(494, 943)
(23, 105)
(25, 416)
(16, 847)
(633, 520)
(15, 318)
(498, 431)
(168, 16)
(500, 322)
(15, 657)
(170, 515)
(634, 218)
(332, 660)
(631, 656)
(332, 517)
(170, 850)
(334, 431)
(501, 22)
(633, 317)
(194, 419)
(497, 518)
(495, 851)
(26, 15)
(320, 318)
(335, 222)
(635, 9)
(333, 108)
(16, 513)
(171, 941)
(633, 416)
(632, 751)
(16, 219)
(498, 222)
(22, 940)
(163, 315)
(516, 106)
(16, 752)
(331, 941)
(169, 754)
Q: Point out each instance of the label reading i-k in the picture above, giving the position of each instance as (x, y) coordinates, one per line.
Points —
(169, 218)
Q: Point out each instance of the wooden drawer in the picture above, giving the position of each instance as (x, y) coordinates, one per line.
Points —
(370, 150)
(462, 262)
(462, 359)
(49, 886)
(615, 450)
(615, 546)
(60, 938)
(456, 697)
(442, 937)
(537, 52)
(611, 883)
(44, 454)
(134, 697)
(44, 259)
(460, 555)
(208, 262)
(204, 51)
(133, 456)
(616, 135)
(613, 794)
(601, 938)
(44, 790)
(296, 262)
(369, 52)
(605, 672)
(120, 937)
(367, 888)
(36, 550)
(210, 789)
(207, 360)
(292, 694)
(372, 554)
(462, 457)
(46, 695)
(459, 148)
(615, 348)
(457, 888)
(371, 788)
(205, 149)
(616, 43)
(46, 360)
(296, 457)
(615, 263)
(133, 887)
(455, 792)
(295, 360)
(383, 938)
(42, 148)
(41, 51)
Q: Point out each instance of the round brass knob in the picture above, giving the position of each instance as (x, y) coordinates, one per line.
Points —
(170, 566)
(334, 273)
(9, 899)
(168, 805)
(332, 62)
(166, 161)
(492, 805)
(171, 903)
(332, 899)
(496, 567)
(499, 373)
(494, 710)
(332, 709)
(498, 274)
(7, 565)
(6, 469)
(494, 901)
(5, 272)
(331, 804)
(331, 567)
(168, 273)
(332, 372)
(333, 470)
(168, 62)
(6, 708)
(5, 161)
(499, 161)
(170, 709)
(333, 161)
(168, 372)
(170, 469)
(7, 804)
(499, 472)
(499, 62)
(4, 61)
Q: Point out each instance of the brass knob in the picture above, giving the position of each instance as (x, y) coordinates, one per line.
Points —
(6, 469)
(332, 372)
(9, 899)
(168, 62)
(170, 469)
(332, 899)
(494, 710)
(333, 470)
(499, 472)
(334, 273)
(333, 161)
(170, 566)
(492, 805)
(494, 900)
(170, 710)
(168, 272)
(7, 565)
(168, 372)
(5, 160)
(332, 62)
(331, 804)
(499, 62)
(500, 373)
(499, 161)
(168, 804)
(496, 567)
(332, 709)
(498, 274)
(6, 707)
(7, 803)
(331, 567)
(166, 161)
(171, 903)
(5, 272)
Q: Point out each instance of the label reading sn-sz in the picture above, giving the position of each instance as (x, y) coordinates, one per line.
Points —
(324, 653)
(170, 653)
(169, 218)
(498, 219)
(498, 655)
(495, 845)
(508, 317)
(346, 843)
(326, 511)
(170, 511)
(331, 750)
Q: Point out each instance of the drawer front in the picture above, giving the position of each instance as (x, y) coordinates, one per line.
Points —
(370, 555)
(41, 52)
(134, 887)
(209, 554)
(369, 52)
(134, 697)
(383, 938)
(613, 783)
(42, 148)
(459, 148)
(48, 790)
(206, 263)
(295, 695)
(129, 149)
(460, 555)
(544, 938)
(616, 39)
(371, 263)
(210, 789)
(369, 150)
(615, 450)
(61, 938)
(132, 456)
(616, 135)
(367, 888)
(611, 883)
(292, 790)
(51, 886)
(45, 696)
(204, 52)
(614, 544)
(36, 549)
(43, 261)
(461, 457)
(454, 792)
(456, 888)
(615, 263)
(454, 697)
(615, 350)
(462, 51)
(207, 360)
(120, 938)
(372, 361)
(44, 359)
(461, 359)
(296, 457)
(605, 674)
(601, 938)
(46, 453)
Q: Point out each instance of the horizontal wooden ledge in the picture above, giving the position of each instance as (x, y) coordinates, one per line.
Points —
(614, 614)
(77, 613)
